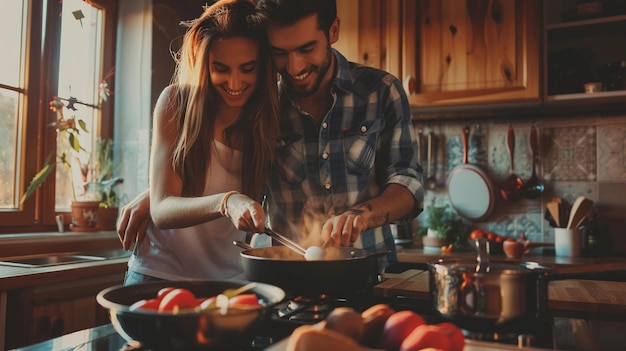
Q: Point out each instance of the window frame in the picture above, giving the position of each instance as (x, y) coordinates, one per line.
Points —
(38, 214)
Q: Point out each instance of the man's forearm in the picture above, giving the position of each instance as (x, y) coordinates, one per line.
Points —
(394, 203)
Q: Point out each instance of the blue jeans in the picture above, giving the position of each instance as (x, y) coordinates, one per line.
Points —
(132, 278)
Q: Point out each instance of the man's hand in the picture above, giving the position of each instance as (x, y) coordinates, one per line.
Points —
(246, 214)
(343, 230)
(134, 220)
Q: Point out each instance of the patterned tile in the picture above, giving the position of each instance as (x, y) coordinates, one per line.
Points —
(499, 156)
(570, 154)
(574, 155)
(612, 153)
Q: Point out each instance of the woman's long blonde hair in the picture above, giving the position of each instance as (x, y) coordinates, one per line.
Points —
(256, 128)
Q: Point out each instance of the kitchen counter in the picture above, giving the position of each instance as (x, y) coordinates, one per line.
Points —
(565, 266)
(14, 277)
(44, 277)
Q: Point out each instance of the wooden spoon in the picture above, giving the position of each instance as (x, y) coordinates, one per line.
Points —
(553, 207)
(580, 210)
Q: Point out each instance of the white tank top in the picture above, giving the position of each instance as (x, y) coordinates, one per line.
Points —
(204, 251)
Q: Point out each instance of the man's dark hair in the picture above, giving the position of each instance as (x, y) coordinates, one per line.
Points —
(287, 12)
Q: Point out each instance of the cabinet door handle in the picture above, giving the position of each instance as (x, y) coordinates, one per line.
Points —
(409, 85)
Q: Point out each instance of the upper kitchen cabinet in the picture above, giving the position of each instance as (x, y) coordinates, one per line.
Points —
(465, 52)
(370, 33)
(584, 46)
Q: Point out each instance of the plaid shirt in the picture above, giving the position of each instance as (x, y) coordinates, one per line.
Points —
(365, 142)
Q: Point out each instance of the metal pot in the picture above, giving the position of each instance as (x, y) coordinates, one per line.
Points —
(280, 266)
(486, 296)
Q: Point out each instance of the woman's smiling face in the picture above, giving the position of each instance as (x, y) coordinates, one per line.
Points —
(234, 69)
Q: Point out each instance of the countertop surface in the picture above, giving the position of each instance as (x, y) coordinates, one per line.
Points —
(560, 265)
(36, 245)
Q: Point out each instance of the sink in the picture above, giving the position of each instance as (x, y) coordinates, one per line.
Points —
(46, 261)
(59, 259)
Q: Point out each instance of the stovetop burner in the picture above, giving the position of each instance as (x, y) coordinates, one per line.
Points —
(307, 310)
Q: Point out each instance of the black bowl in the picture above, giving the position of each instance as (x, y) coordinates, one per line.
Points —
(187, 330)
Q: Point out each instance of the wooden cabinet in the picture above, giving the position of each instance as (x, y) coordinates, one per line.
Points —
(449, 52)
(584, 43)
(478, 51)
(47, 311)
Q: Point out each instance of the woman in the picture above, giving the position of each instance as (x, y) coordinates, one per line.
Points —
(214, 127)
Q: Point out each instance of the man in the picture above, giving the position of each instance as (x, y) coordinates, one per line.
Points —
(347, 151)
(346, 162)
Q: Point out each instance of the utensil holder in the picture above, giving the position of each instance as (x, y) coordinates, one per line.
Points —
(567, 242)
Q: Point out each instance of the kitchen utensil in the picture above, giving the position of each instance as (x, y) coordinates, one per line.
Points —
(470, 190)
(533, 187)
(431, 181)
(483, 295)
(280, 266)
(285, 241)
(511, 186)
(242, 245)
(187, 330)
(580, 210)
(420, 143)
(555, 211)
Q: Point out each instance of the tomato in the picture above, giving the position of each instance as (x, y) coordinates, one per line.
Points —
(426, 336)
(244, 300)
(491, 236)
(447, 248)
(455, 334)
(499, 238)
(476, 233)
(511, 240)
(178, 299)
(397, 327)
(147, 304)
(207, 303)
(161, 294)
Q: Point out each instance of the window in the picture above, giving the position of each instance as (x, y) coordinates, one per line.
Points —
(51, 48)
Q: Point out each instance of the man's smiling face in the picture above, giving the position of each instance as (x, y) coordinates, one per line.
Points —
(301, 54)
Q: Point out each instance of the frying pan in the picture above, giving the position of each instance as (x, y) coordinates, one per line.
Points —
(280, 266)
(470, 190)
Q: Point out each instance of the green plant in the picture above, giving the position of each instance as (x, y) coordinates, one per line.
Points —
(448, 225)
(103, 179)
(68, 131)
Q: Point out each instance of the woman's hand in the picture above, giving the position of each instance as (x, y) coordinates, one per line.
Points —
(134, 220)
(245, 213)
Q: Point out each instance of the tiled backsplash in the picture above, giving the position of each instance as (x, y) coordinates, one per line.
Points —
(581, 156)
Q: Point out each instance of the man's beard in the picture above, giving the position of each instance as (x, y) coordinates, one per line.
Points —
(321, 73)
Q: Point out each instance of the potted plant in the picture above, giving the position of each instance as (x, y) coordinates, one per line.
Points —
(69, 153)
(444, 227)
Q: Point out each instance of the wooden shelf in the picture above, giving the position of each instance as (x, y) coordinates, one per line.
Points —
(586, 22)
(579, 96)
